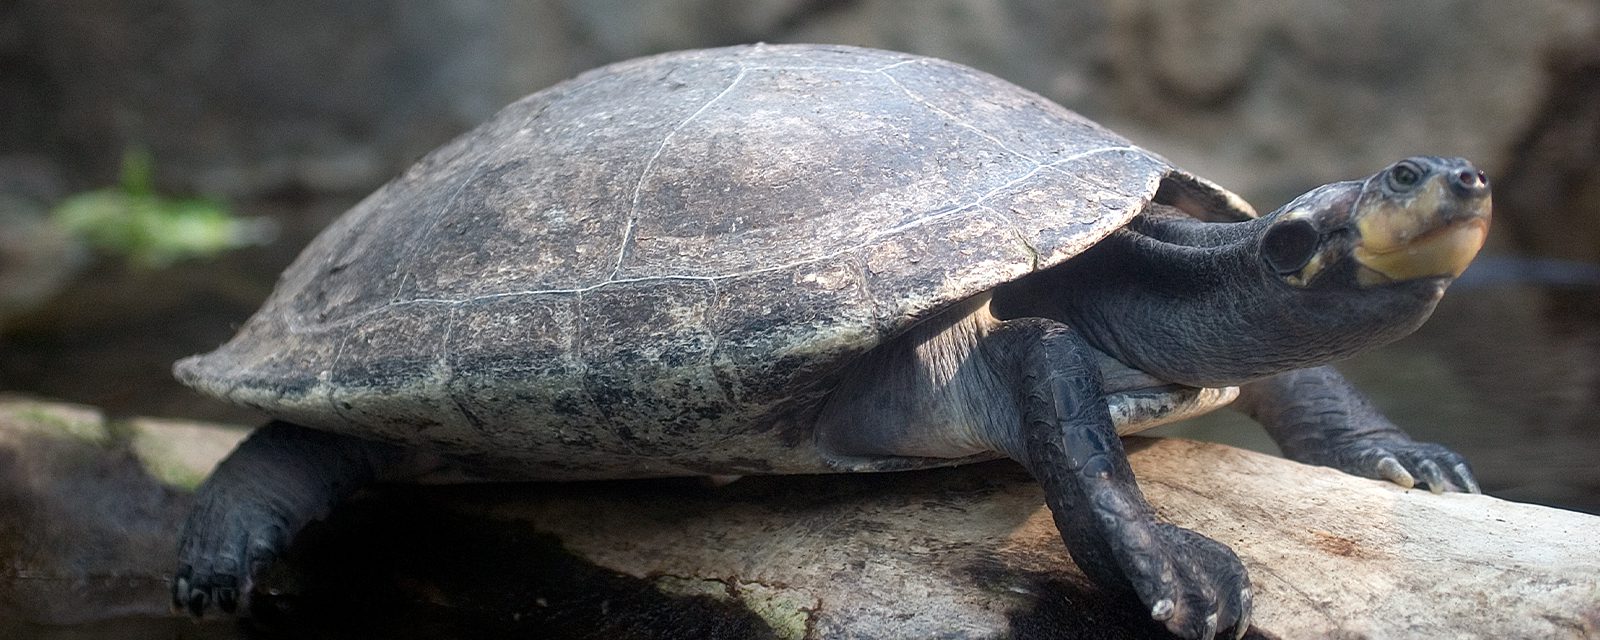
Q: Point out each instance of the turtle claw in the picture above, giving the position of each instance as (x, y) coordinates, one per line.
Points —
(227, 600)
(213, 561)
(1426, 462)
(1398, 459)
(1431, 475)
(1318, 417)
(180, 586)
(1389, 469)
(1197, 584)
(1464, 478)
(1246, 606)
(197, 603)
(194, 595)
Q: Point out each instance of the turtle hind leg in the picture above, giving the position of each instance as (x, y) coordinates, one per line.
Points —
(1318, 417)
(1192, 584)
(277, 481)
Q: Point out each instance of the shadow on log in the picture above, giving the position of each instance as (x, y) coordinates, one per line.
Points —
(954, 553)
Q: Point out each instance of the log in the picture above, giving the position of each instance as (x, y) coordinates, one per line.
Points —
(967, 552)
(88, 511)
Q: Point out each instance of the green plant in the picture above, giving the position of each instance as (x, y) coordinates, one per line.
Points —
(150, 229)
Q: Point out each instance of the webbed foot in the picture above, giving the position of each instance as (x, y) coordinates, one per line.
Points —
(279, 479)
(222, 550)
(1194, 585)
(1317, 417)
(1400, 460)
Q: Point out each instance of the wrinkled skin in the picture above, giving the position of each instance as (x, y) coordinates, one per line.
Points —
(1263, 304)
(1071, 447)
(352, 344)
(1317, 417)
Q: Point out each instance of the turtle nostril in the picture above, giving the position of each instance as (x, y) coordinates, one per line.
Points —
(1470, 182)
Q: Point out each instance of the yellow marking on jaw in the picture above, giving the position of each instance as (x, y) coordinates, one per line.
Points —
(1389, 225)
(1442, 252)
(1314, 266)
(1405, 240)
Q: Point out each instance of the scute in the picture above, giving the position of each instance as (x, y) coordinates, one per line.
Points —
(661, 266)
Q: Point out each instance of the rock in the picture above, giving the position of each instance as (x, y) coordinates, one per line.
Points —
(178, 453)
(966, 552)
(37, 258)
(88, 532)
(1268, 99)
(1552, 189)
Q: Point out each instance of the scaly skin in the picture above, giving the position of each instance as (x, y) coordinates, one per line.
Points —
(1265, 303)
(1317, 417)
(1192, 584)
(279, 480)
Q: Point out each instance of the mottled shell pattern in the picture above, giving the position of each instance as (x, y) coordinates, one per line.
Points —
(662, 266)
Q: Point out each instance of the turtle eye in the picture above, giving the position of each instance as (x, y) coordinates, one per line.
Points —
(1289, 245)
(1405, 175)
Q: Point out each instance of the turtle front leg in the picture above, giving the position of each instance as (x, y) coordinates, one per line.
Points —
(1318, 417)
(1193, 584)
(277, 481)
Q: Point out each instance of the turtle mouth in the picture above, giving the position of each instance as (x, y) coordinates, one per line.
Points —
(1432, 234)
(1442, 252)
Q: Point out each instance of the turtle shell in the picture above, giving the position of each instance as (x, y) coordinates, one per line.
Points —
(661, 267)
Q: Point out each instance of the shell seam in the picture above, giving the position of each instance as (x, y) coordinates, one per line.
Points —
(297, 327)
(649, 166)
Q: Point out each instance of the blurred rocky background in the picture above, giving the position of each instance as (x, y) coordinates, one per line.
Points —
(162, 160)
(288, 112)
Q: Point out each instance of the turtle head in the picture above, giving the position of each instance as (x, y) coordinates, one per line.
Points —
(1421, 219)
(1341, 269)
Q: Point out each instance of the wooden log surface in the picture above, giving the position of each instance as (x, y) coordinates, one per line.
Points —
(91, 509)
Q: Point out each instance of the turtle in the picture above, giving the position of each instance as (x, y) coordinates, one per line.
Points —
(797, 259)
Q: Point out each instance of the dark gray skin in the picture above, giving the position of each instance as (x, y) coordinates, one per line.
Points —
(1187, 301)
(383, 382)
